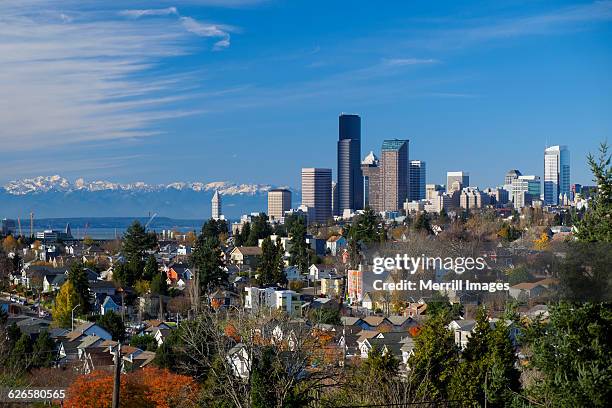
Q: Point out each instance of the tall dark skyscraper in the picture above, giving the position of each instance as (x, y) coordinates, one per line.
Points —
(350, 179)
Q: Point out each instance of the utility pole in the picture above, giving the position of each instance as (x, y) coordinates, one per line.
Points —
(117, 376)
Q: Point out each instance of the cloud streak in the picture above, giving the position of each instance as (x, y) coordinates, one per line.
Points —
(84, 76)
(222, 32)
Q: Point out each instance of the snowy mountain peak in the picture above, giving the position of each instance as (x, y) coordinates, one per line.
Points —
(56, 183)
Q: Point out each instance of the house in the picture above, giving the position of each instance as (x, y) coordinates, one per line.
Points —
(238, 357)
(224, 298)
(272, 298)
(111, 303)
(332, 285)
(335, 243)
(407, 349)
(387, 342)
(88, 329)
(526, 290)
(462, 330)
(53, 282)
(102, 287)
(246, 256)
(176, 272)
(378, 323)
(320, 271)
(293, 273)
(160, 335)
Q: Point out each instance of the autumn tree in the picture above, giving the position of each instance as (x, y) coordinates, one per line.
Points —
(149, 387)
(66, 299)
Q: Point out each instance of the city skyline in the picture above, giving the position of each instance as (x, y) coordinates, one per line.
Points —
(193, 67)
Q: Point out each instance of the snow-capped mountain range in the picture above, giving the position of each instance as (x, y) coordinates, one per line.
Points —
(56, 196)
(58, 183)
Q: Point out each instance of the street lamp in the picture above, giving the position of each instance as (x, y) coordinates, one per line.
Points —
(72, 315)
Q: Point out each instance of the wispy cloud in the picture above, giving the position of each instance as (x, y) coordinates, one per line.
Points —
(222, 32)
(451, 33)
(81, 76)
(403, 62)
(208, 30)
(149, 12)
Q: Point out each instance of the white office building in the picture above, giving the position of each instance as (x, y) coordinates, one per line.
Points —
(556, 174)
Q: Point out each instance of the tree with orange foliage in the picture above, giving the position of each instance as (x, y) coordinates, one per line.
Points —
(149, 387)
(414, 331)
(165, 389)
(542, 243)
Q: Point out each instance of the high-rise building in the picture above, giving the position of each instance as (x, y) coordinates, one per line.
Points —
(511, 175)
(279, 201)
(317, 194)
(372, 191)
(395, 177)
(431, 190)
(350, 180)
(417, 180)
(216, 205)
(525, 189)
(461, 177)
(556, 174)
(335, 210)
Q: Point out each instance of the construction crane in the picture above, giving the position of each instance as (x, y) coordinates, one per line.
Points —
(150, 220)
(19, 223)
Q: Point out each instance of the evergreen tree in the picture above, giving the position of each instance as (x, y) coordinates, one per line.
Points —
(207, 258)
(572, 355)
(214, 228)
(151, 268)
(43, 351)
(596, 223)
(487, 368)
(367, 228)
(21, 353)
(159, 286)
(136, 242)
(260, 229)
(112, 323)
(241, 238)
(271, 267)
(78, 277)
(423, 223)
(434, 360)
(298, 251)
(279, 271)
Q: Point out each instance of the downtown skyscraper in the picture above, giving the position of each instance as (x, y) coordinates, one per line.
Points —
(556, 174)
(395, 174)
(317, 194)
(350, 179)
(417, 180)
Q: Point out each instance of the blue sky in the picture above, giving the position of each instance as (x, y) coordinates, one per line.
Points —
(249, 91)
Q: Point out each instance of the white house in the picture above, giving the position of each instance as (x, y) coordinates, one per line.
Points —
(239, 360)
(319, 271)
(335, 243)
(462, 330)
(272, 298)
